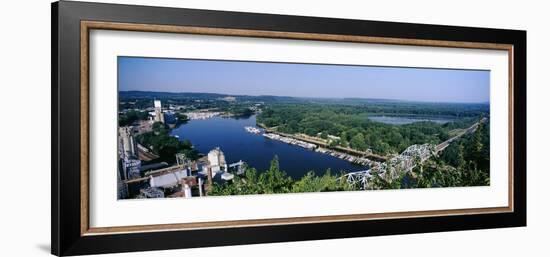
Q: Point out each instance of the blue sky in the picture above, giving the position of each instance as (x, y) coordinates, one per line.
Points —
(302, 80)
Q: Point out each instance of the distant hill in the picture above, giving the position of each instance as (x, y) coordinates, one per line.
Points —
(190, 95)
(280, 99)
(148, 94)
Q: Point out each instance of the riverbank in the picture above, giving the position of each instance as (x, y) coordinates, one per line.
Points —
(317, 141)
(230, 135)
(311, 146)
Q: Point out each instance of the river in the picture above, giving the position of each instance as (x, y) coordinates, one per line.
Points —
(237, 144)
(402, 120)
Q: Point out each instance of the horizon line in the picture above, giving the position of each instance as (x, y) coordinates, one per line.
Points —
(310, 97)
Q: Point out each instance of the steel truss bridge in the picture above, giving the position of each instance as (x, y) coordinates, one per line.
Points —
(405, 162)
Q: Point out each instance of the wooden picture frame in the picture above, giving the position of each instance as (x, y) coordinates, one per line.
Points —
(71, 25)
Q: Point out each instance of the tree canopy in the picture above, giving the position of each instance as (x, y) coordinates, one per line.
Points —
(164, 145)
(276, 181)
(355, 130)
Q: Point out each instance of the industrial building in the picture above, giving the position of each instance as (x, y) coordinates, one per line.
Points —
(216, 160)
(159, 117)
(170, 117)
(128, 145)
(187, 178)
(122, 188)
(128, 152)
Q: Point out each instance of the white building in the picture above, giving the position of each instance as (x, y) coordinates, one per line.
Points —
(159, 117)
(216, 160)
(170, 179)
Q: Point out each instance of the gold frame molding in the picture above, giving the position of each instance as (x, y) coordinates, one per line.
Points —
(86, 26)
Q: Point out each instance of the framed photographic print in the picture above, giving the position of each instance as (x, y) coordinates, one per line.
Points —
(177, 128)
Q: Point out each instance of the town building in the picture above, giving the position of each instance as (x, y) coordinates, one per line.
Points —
(127, 142)
(122, 187)
(128, 152)
(188, 178)
(216, 160)
(159, 117)
(201, 115)
(131, 167)
(152, 192)
(170, 117)
(169, 180)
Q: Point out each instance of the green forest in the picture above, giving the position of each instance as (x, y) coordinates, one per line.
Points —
(130, 117)
(275, 181)
(164, 145)
(464, 163)
(355, 130)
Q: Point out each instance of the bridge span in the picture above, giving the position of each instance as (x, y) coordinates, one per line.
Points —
(406, 161)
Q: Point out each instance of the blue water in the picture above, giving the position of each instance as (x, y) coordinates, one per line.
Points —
(402, 120)
(237, 144)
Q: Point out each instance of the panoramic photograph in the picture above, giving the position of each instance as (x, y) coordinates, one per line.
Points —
(208, 128)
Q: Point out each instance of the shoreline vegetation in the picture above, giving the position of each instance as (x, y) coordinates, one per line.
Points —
(339, 128)
(362, 158)
(327, 144)
(348, 127)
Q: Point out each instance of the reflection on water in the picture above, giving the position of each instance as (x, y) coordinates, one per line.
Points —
(237, 144)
